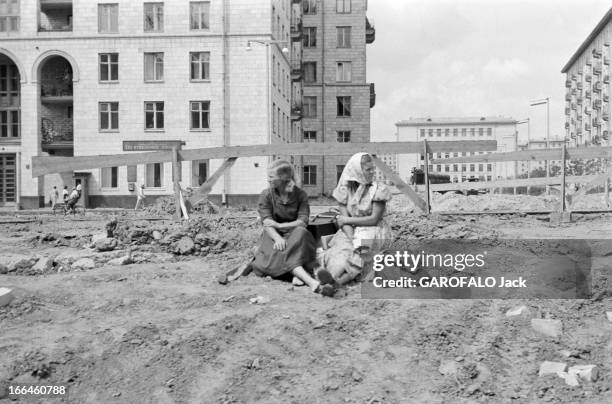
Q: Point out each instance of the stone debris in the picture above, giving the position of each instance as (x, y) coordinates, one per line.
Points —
(570, 378)
(260, 300)
(105, 244)
(517, 311)
(548, 327)
(84, 263)
(124, 260)
(6, 295)
(44, 264)
(587, 373)
(547, 368)
(608, 315)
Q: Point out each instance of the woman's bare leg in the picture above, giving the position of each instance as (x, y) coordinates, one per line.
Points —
(303, 275)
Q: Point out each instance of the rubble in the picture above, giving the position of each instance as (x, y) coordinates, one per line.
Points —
(84, 263)
(517, 311)
(548, 327)
(547, 368)
(588, 373)
(44, 264)
(106, 244)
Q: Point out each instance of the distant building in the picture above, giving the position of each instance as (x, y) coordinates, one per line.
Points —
(587, 83)
(501, 129)
(391, 161)
(528, 166)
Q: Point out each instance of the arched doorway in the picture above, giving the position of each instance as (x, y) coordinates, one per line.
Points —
(10, 127)
(56, 106)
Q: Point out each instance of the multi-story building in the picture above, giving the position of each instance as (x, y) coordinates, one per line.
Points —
(83, 77)
(587, 83)
(528, 166)
(391, 161)
(503, 130)
(336, 99)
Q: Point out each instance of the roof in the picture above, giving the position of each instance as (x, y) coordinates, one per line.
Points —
(432, 121)
(587, 42)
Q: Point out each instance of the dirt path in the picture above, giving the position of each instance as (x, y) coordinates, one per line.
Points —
(166, 332)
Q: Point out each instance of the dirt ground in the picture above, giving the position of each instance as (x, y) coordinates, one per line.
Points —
(160, 329)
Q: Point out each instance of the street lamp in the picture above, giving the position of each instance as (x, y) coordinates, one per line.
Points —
(284, 49)
(521, 122)
(547, 102)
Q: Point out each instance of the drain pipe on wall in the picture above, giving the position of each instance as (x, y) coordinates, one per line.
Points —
(226, 97)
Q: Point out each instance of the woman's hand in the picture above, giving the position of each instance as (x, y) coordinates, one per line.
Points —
(342, 220)
(280, 244)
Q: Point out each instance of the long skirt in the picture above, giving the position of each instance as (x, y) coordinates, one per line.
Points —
(300, 251)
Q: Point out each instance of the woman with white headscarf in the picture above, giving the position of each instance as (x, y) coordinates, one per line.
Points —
(362, 203)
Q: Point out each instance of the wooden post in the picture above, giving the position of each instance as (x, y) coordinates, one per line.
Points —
(176, 172)
(426, 172)
(401, 185)
(607, 191)
(563, 156)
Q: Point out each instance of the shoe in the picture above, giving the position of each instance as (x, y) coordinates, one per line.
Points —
(326, 278)
(297, 281)
(326, 290)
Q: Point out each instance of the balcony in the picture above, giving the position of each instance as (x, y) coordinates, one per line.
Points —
(596, 54)
(296, 71)
(588, 78)
(370, 31)
(55, 137)
(296, 29)
(568, 97)
(568, 83)
(597, 104)
(597, 71)
(296, 112)
(606, 79)
(605, 116)
(605, 135)
(606, 61)
(587, 94)
(372, 95)
(55, 16)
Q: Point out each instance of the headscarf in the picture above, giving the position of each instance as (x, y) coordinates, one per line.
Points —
(352, 172)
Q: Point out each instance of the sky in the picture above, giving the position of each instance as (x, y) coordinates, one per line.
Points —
(472, 58)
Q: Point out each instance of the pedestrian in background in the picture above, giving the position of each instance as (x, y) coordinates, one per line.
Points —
(54, 197)
(140, 196)
(65, 193)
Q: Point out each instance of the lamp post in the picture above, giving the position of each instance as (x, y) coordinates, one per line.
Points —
(547, 102)
(285, 52)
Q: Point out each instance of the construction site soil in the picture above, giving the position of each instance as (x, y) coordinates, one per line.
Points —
(139, 317)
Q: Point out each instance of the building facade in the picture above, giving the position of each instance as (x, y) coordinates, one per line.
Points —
(84, 77)
(331, 77)
(523, 167)
(587, 83)
(503, 130)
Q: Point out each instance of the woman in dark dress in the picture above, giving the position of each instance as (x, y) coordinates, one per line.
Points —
(286, 246)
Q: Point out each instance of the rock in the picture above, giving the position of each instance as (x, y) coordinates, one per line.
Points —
(588, 373)
(356, 376)
(20, 263)
(202, 239)
(517, 311)
(106, 244)
(448, 367)
(184, 246)
(260, 300)
(608, 313)
(570, 379)
(6, 295)
(84, 263)
(125, 260)
(157, 235)
(96, 237)
(547, 368)
(3, 269)
(548, 327)
(44, 264)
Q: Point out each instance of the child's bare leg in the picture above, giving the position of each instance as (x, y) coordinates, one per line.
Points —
(303, 275)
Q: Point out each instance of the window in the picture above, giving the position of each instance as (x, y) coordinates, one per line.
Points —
(200, 65)
(310, 136)
(310, 107)
(109, 66)
(422, 132)
(200, 115)
(108, 17)
(455, 154)
(154, 175)
(310, 72)
(344, 106)
(455, 132)
(153, 17)
(154, 66)
(339, 170)
(154, 115)
(472, 167)
(455, 167)
(109, 177)
(488, 178)
(430, 132)
(310, 37)
(9, 124)
(343, 6)
(472, 132)
(343, 136)
(309, 176)
(464, 132)
(199, 14)
(309, 6)
(9, 15)
(463, 167)
(344, 37)
(489, 167)
(343, 71)
(447, 168)
(439, 167)
(480, 131)
(489, 131)
(109, 116)
(480, 167)
(439, 132)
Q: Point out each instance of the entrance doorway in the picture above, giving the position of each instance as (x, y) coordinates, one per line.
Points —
(8, 179)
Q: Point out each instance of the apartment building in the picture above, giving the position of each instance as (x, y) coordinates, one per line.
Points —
(501, 129)
(587, 84)
(85, 77)
(391, 161)
(331, 77)
(524, 167)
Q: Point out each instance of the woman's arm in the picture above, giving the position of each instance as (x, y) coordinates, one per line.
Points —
(378, 208)
(346, 228)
